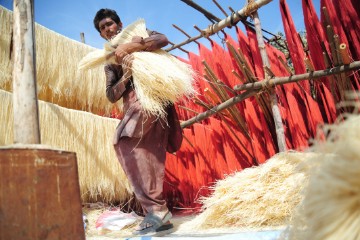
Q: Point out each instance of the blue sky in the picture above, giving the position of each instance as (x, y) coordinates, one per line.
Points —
(70, 17)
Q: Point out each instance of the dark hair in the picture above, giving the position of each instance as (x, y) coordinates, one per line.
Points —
(105, 13)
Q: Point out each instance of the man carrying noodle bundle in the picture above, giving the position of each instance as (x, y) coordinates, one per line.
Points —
(141, 139)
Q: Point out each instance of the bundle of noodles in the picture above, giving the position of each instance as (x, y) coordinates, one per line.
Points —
(257, 197)
(159, 78)
(330, 207)
(100, 176)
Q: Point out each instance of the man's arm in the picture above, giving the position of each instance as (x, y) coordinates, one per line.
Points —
(115, 88)
(154, 42)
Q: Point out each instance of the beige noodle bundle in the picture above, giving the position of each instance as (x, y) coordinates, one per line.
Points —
(101, 177)
(257, 197)
(159, 78)
(58, 79)
(331, 206)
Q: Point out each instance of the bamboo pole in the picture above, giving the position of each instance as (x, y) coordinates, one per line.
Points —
(222, 106)
(343, 79)
(180, 48)
(279, 128)
(344, 53)
(82, 37)
(309, 64)
(25, 105)
(223, 95)
(183, 32)
(330, 35)
(284, 64)
(252, 88)
(207, 14)
(240, 60)
(221, 9)
(266, 83)
(244, 66)
(246, 11)
(234, 17)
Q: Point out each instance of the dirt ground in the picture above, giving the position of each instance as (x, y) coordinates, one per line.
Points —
(179, 232)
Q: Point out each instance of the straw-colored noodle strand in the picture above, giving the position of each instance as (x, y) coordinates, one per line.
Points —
(330, 209)
(58, 78)
(90, 136)
(256, 197)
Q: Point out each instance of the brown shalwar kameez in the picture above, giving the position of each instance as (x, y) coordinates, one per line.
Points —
(141, 140)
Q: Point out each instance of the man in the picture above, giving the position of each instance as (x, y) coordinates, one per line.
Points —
(141, 140)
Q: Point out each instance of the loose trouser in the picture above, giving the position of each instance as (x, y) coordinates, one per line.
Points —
(143, 161)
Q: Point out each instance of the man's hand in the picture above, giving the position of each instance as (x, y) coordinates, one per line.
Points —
(122, 50)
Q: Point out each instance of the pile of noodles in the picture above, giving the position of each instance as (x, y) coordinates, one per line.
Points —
(158, 77)
(259, 197)
(330, 207)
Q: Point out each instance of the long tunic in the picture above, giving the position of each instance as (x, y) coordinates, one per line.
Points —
(141, 140)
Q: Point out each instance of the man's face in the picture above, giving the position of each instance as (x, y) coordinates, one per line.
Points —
(108, 28)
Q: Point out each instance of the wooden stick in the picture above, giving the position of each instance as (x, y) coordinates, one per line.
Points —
(344, 82)
(221, 9)
(180, 48)
(344, 54)
(234, 112)
(325, 52)
(207, 14)
(295, 78)
(252, 88)
(238, 60)
(82, 37)
(326, 17)
(244, 12)
(222, 106)
(330, 35)
(272, 116)
(326, 60)
(309, 64)
(212, 96)
(237, 75)
(25, 105)
(243, 65)
(284, 64)
(269, 72)
(183, 32)
(188, 109)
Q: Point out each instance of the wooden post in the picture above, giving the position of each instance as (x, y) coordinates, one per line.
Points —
(39, 188)
(82, 37)
(354, 66)
(279, 128)
(26, 116)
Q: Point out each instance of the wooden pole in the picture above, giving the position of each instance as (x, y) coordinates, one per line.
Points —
(253, 88)
(344, 54)
(82, 37)
(207, 14)
(266, 83)
(279, 128)
(228, 103)
(227, 22)
(39, 193)
(26, 115)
